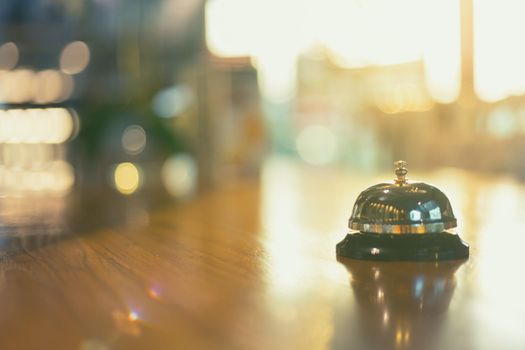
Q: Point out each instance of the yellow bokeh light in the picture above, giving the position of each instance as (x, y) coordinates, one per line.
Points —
(127, 178)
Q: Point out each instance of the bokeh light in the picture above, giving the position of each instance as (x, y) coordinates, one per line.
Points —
(133, 139)
(172, 101)
(403, 98)
(127, 178)
(40, 87)
(62, 125)
(498, 63)
(8, 55)
(133, 316)
(75, 57)
(356, 35)
(54, 177)
(52, 86)
(36, 125)
(49, 86)
(17, 86)
(316, 144)
(179, 175)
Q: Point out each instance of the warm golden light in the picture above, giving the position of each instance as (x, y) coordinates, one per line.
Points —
(399, 337)
(36, 125)
(440, 47)
(356, 34)
(52, 86)
(133, 316)
(402, 98)
(41, 87)
(62, 125)
(127, 178)
(125, 322)
(153, 293)
(50, 176)
(498, 54)
(49, 86)
(17, 86)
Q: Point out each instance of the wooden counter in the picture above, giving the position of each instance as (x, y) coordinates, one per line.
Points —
(253, 266)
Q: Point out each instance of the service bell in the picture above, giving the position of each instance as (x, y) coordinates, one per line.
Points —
(403, 220)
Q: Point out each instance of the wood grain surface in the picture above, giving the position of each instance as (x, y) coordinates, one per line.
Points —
(253, 266)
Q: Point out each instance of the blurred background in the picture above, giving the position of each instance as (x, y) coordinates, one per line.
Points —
(112, 106)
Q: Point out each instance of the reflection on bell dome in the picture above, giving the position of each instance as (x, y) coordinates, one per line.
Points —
(402, 207)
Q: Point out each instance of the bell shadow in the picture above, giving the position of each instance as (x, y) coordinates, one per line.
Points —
(396, 305)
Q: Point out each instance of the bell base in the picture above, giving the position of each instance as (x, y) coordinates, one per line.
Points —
(403, 247)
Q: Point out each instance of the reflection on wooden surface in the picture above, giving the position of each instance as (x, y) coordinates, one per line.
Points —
(400, 305)
(254, 266)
